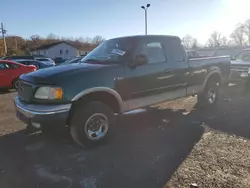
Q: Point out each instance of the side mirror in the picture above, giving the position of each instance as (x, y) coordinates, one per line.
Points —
(140, 59)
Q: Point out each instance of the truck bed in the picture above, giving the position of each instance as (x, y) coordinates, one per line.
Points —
(221, 62)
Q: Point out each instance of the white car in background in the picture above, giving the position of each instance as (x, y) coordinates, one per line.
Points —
(47, 61)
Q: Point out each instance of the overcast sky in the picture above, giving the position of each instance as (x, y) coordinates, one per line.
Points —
(112, 18)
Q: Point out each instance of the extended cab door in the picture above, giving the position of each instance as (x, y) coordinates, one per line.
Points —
(146, 80)
(156, 81)
(178, 65)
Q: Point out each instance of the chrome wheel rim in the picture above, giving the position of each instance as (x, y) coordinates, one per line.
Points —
(211, 95)
(96, 126)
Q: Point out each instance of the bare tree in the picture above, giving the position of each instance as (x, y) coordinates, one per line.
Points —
(224, 40)
(187, 41)
(35, 37)
(194, 44)
(247, 30)
(35, 41)
(97, 40)
(52, 36)
(87, 40)
(215, 39)
(238, 35)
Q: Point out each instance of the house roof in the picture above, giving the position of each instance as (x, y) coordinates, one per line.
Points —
(47, 46)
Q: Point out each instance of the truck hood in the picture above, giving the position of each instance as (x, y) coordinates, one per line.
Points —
(53, 74)
(240, 63)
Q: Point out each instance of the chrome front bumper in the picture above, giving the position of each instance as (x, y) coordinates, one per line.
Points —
(39, 115)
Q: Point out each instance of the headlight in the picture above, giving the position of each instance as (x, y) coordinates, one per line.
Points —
(49, 93)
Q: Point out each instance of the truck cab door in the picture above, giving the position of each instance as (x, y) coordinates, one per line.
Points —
(144, 80)
(152, 82)
(178, 61)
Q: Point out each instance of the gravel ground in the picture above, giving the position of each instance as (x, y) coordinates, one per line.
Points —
(173, 144)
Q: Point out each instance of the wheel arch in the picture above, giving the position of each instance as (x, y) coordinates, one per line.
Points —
(103, 94)
(214, 74)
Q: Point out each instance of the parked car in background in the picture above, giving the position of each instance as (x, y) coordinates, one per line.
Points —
(192, 54)
(120, 75)
(240, 66)
(38, 64)
(59, 60)
(71, 61)
(45, 60)
(10, 72)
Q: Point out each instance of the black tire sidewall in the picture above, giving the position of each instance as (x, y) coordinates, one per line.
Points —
(14, 84)
(80, 116)
(203, 99)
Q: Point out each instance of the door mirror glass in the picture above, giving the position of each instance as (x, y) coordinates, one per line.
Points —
(140, 59)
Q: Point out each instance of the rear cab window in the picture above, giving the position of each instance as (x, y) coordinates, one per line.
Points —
(174, 50)
(153, 50)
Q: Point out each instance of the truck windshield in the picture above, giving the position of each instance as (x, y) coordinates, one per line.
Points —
(113, 50)
(243, 56)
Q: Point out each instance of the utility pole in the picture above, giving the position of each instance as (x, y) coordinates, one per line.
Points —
(146, 17)
(3, 31)
(16, 43)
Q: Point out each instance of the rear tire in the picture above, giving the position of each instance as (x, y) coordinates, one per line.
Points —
(208, 98)
(92, 124)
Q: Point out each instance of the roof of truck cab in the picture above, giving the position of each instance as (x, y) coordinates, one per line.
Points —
(148, 36)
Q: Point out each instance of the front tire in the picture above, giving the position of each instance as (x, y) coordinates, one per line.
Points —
(208, 98)
(92, 124)
(15, 84)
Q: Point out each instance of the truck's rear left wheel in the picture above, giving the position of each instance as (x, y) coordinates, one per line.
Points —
(91, 124)
(209, 96)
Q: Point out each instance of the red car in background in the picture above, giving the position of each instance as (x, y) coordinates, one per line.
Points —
(10, 72)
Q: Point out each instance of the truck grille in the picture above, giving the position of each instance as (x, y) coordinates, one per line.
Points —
(25, 91)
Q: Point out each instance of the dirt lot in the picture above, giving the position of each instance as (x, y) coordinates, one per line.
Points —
(172, 145)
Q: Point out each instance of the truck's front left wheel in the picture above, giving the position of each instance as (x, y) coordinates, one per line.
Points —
(91, 123)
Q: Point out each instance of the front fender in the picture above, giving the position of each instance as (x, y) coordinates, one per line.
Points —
(101, 89)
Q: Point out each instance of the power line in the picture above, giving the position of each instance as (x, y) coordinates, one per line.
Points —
(4, 31)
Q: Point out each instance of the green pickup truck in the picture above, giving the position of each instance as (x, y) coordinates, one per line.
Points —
(118, 76)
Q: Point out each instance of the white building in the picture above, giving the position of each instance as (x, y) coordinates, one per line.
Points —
(61, 49)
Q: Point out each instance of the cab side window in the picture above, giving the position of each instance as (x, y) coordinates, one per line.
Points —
(175, 50)
(154, 52)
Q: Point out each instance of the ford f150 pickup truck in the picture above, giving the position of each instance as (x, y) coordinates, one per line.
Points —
(120, 75)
